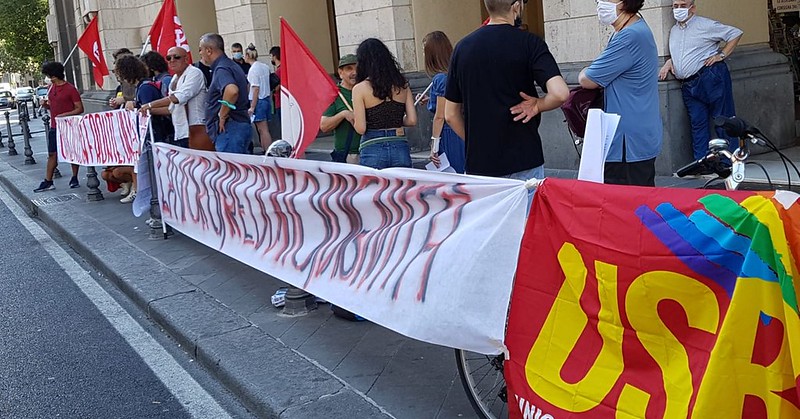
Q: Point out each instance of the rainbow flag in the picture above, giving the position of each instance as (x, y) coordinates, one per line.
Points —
(641, 302)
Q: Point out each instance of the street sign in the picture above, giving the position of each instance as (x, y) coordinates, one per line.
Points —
(786, 6)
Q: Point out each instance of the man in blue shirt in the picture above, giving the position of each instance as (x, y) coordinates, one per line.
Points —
(227, 120)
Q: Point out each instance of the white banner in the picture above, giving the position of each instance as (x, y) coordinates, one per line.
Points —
(101, 139)
(429, 255)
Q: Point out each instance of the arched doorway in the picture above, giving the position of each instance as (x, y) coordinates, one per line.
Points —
(533, 19)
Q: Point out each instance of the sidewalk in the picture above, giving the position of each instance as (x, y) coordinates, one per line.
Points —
(219, 311)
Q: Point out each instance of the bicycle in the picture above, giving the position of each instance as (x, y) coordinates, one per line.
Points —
(734, 175)
(482, 375)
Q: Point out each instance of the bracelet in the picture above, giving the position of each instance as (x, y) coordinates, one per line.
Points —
(228, 104)
(436, 138)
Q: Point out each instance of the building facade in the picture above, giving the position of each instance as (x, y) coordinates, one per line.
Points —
(331, 28)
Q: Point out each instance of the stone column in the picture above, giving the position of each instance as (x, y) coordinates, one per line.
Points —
(243, 21)
(388, 20)
(574, 34)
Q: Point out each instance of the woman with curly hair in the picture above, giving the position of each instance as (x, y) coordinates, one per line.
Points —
(157, 70)
(438, 50)
(628, 71)
(382, 105)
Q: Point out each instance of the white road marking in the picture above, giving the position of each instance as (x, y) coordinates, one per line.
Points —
(195, 400)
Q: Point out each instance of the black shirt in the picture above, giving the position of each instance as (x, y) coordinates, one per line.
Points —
(243, 64)
(488, 70)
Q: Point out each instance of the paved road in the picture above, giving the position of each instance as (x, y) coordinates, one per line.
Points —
(68, 349)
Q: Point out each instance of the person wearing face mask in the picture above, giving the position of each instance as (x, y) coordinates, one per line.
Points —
(699, 63)
(628, 71)
(495, 108)
(237, 53)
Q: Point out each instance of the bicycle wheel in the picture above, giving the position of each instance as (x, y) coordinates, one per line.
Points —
(484, 382)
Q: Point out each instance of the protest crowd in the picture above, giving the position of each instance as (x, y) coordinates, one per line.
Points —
(485, 117)
(460, 254)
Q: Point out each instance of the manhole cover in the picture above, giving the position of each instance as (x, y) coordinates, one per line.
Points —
(53, 200)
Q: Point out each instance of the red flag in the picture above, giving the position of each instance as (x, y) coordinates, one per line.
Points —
(306, 91)
(90, 45)
(167, 31)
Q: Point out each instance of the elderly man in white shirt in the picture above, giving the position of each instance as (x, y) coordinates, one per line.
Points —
(186, 101)
(698, 61)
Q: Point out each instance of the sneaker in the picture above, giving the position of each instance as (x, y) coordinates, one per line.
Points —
(56, 173)
(128, 199)
(73, 182)
(126, 188)
(46, 185)
(149, 222)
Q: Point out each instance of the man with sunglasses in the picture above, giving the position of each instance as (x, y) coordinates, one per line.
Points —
(186, 100)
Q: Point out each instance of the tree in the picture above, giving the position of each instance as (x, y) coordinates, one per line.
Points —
(23, 32)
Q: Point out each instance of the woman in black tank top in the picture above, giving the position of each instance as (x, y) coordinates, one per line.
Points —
(383, 105)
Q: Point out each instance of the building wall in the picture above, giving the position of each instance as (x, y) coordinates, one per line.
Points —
(751, 16)
(243, 22)
(197, 20)
(456, 18)
(309, 18)
(570, 26)
(388, 20)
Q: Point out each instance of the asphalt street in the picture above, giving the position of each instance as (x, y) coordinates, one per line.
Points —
(69, 349)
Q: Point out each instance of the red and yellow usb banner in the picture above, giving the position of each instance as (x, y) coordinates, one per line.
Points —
(656, 303)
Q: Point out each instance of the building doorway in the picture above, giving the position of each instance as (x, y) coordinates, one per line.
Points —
(533, 19)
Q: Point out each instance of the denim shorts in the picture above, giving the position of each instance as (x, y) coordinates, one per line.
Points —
(235, 139)
(388, 151)
(263, 110)
(52, 147)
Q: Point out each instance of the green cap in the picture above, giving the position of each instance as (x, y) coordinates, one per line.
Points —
(347, 60)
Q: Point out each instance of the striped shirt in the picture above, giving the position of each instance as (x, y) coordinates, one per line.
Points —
(693, 42)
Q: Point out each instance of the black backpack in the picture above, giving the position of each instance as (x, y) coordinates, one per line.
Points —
(274, 82)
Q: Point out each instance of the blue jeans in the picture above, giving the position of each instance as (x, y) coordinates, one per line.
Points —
(525, 175)
(235, 139)
(263, 110)
(388, 151)
(707, 96)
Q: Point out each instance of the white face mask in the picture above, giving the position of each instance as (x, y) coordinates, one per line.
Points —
(680, 14)
(606, 12)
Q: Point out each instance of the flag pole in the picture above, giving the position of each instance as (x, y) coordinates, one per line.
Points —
(341, 96)
(146, 43)
(70, 54)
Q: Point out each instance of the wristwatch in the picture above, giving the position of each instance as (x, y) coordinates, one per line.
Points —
(722, 55)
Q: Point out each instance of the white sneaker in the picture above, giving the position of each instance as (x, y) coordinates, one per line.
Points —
(128, 199)
(149, 221)
(125, 188)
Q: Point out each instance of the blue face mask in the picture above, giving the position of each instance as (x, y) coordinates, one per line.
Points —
(237, 55)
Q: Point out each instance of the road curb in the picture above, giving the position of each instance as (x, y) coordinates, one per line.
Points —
(269, 378)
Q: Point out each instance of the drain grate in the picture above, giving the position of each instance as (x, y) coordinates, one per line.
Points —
(53, 200)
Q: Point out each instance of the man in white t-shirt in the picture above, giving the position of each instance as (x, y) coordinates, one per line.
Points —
(187, 96)
(260, 100)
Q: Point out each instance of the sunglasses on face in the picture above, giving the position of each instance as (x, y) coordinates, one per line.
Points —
(174, 57)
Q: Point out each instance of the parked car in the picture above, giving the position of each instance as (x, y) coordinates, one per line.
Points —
(7, 99)
(25, 94)
(41, 92)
